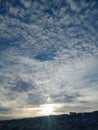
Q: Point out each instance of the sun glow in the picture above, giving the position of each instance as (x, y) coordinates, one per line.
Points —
(48, 109)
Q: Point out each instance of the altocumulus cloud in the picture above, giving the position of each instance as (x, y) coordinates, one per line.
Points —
(48, 55)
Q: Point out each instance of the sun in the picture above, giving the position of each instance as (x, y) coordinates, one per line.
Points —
(48, 109)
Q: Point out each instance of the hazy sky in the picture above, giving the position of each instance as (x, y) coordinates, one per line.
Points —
(48, 57)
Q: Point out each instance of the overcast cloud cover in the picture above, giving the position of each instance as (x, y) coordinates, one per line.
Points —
(48, 55)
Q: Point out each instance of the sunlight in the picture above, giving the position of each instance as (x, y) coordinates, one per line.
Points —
(48, 109)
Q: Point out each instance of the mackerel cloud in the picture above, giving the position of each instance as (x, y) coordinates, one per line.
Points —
(48, 55)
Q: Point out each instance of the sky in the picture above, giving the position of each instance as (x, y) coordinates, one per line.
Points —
(48, 57)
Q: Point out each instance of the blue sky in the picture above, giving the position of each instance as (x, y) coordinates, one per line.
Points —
(48, 55)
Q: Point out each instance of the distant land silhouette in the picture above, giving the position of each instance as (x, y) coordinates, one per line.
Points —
(72, 121)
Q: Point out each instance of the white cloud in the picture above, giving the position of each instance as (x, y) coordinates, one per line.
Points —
(74, 5)
(26, 3)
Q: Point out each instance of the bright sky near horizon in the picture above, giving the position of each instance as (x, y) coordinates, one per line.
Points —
(48, 57)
